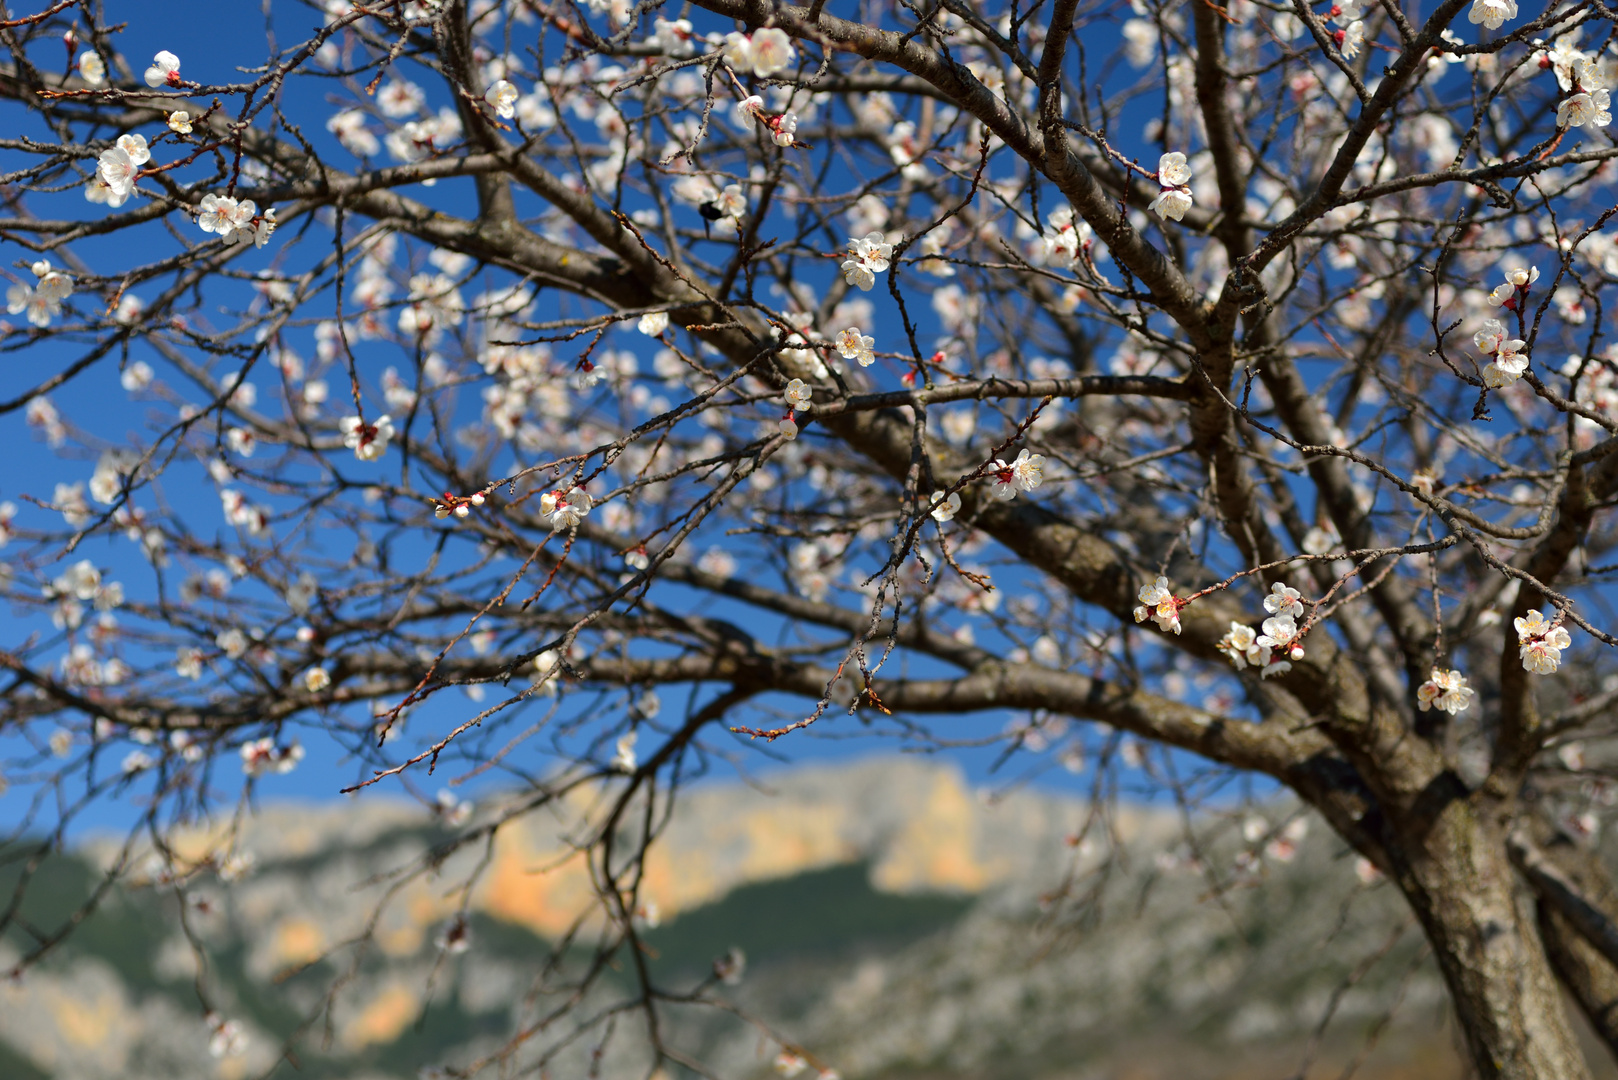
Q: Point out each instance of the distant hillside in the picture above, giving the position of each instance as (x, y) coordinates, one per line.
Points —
(896, 925)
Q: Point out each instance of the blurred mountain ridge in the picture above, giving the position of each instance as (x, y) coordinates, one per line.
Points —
(898, 923)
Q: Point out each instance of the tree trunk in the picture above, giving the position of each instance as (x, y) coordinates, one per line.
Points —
(1483, 930)
(1592, 981)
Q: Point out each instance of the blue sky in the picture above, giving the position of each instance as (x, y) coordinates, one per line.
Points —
(208, 45)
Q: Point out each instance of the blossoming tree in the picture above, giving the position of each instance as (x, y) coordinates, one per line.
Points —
(1235, 378)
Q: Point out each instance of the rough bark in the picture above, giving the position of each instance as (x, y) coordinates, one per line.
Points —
(1484, 933)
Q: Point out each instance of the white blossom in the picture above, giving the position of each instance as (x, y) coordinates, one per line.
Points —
(502, 98)
(92, 69)
(1492, 13)
(945, 507)
(1279, 632)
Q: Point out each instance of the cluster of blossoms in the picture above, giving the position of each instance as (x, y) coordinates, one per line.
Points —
(852, 345)
(1350, 39)
(1512, 294)
(673, 38)
(1445, 690)
(867, 257)
(242, 514)
(763, 52)
(237, 221)
(1507, 360)
(1024, 474)
(454, 504)
(1158, 603)
(368, 441)
(564, 509)
(783, 127)
(1540, 643)
(1587, 104)
(1174, 177)
(263, 756)
(1275, 644)
(435, 306)
(798, 394)
(43, 300)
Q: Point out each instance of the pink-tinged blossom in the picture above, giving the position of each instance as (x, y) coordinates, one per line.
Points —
(223, 215)
(564, 510)
(784, 128)
(165, 70)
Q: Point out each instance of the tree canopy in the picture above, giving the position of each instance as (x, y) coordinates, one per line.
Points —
(582, 393)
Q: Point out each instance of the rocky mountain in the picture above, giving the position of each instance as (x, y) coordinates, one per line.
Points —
(897, 924)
